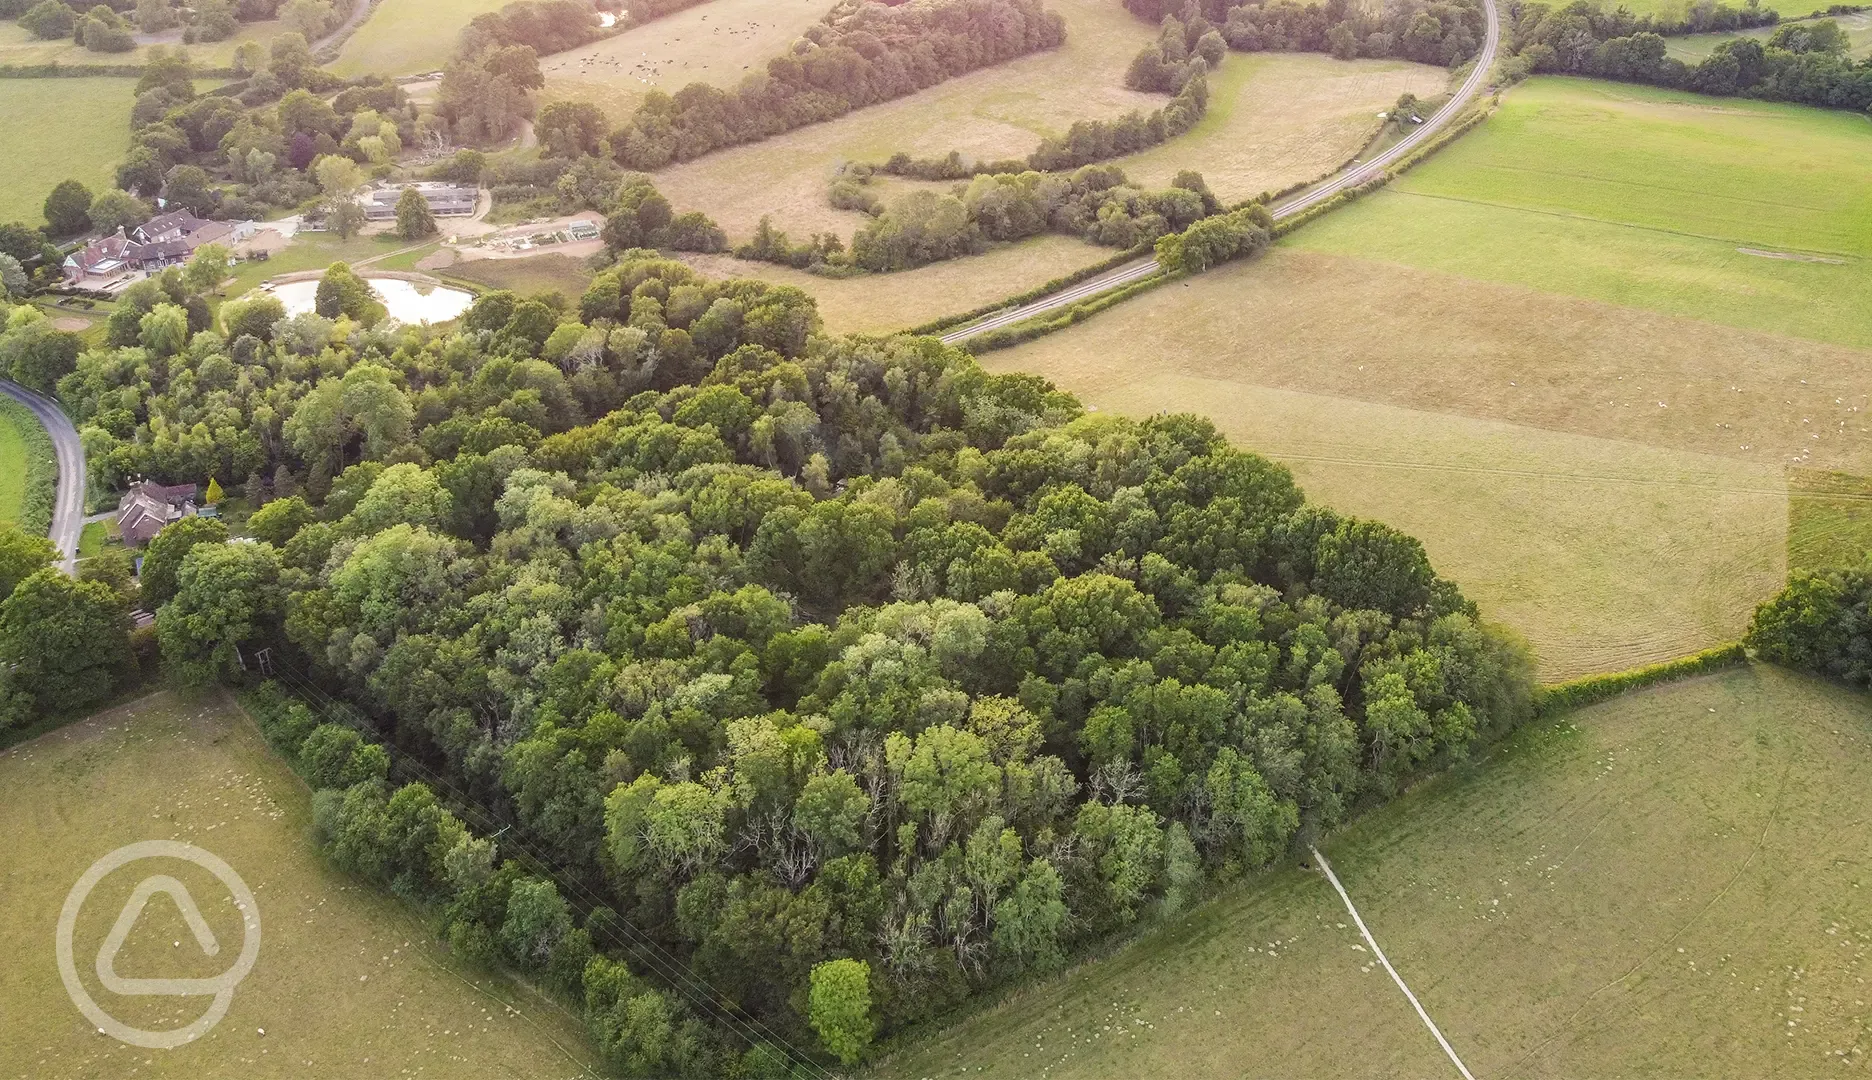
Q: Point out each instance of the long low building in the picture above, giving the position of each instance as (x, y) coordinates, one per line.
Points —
(166, 240)
(445, 200)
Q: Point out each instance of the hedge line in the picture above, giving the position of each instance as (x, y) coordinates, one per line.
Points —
(1561, 697)
(35, 515)
(947, 322)
(56, 70)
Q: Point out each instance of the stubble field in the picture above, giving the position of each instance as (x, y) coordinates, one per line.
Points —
(1662, 885)
(347, 981)
(1606, 479)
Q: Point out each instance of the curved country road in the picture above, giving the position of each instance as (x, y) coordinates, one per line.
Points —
(68, 506)
(1350, 177)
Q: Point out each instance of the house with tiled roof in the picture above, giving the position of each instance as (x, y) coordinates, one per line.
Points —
(149, 508)
(165, 240)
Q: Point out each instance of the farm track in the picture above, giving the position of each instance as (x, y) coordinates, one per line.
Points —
(68, 505)
(1348, 178)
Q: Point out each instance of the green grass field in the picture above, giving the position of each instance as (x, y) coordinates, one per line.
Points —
(41, 116)
(1829, 520)
(408, 37)
(1672, 883)
(1789, 9)
(13, 447)
(1742, 213)
(348, 982)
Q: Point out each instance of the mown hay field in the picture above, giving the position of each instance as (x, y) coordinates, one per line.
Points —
(718, 43)
(1666, 884)
(40, 117)
(1609, 480)
(347, 982)
(408, 37)
(1747, 214)
(1276, 119)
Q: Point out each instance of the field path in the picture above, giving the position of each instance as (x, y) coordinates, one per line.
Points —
(1350, 177)
(68, 505)
(1379, 953)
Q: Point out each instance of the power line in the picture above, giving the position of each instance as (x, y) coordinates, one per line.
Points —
(640, 944)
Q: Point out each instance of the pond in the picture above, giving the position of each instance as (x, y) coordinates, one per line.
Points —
(407, 301)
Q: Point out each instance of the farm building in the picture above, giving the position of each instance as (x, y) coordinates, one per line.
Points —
(148, 508)
(445, 200)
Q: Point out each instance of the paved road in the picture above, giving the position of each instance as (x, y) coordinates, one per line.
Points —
(68, 505)
(1350, 177)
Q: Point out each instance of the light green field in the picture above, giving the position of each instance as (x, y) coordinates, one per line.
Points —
(1742, 213)
(1671, 884)
(12, 458)
(1692, 48)
(348, 983)
(409, 37)
(40, 117)
(19, 47)
(718, 43)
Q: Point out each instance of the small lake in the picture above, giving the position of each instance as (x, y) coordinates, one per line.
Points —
(407, 301)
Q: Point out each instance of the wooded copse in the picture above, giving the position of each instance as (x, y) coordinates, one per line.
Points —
(794, 650)
(1445, 32)
(1822, 623)
(1804, 62)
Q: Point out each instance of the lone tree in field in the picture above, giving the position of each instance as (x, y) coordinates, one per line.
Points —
(841, 1007)
(413, 219)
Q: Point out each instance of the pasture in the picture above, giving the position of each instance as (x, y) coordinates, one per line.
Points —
(408, 37)
(41, 116)
(348, 982)
(1660, 885)
(719, 43)
(1748, 214)
(1829, 520)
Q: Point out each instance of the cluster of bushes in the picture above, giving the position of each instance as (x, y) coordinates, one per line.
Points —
(1217, 239)
(821, 253)
(545, 26)
(862, 54)
(1804, 62)
(854, 678)
(111, 27)
(1822, 622)
(638, 216)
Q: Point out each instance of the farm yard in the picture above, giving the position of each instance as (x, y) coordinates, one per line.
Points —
(1643, 887)
(717, 43)
(1458, 391)
(348, 981)
(41, 116)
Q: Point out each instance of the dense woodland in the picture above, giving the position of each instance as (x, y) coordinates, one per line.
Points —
(1804, 62)
(854, 677)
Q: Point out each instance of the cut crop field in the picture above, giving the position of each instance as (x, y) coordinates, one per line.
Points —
(997, 112)
(1277, 119)
(718, 43)
(1742, 213)
(347, 981)
(408, 37)
(40, 116)
(881, 303)
(1668, 884)
(1609, 480)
